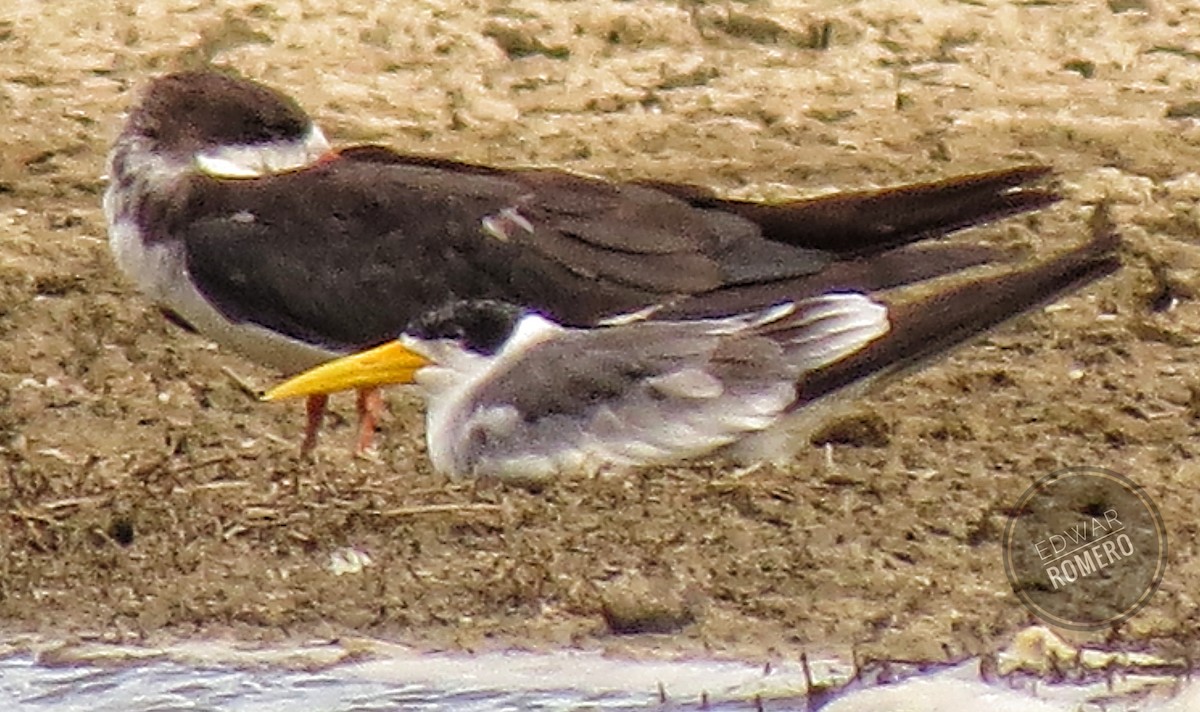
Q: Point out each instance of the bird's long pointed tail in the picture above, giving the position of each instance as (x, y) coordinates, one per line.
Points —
(869, 222)
(924, 328)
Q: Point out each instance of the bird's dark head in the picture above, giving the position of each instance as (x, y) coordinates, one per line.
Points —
(232, 127)
(479, 326)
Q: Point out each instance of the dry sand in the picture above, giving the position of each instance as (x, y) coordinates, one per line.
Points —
(146, 494)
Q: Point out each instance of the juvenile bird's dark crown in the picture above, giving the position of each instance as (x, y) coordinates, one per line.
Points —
(481, 326)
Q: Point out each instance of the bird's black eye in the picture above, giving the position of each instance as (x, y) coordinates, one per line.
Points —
(488, 332)
(479, 326)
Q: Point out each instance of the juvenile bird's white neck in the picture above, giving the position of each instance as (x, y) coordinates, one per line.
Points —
(451, 384)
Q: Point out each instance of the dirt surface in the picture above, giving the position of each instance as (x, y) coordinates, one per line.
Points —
(145, 493)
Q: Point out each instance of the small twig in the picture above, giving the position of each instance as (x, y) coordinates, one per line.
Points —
(245, 386)
(439, 509)
(105, 537)
(32, 516)
(218, 460)
(143, 471)
(73, 502)
(219, 484)
(278, 440)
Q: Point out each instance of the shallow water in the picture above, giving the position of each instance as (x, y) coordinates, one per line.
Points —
(485, 683)
(162, 686)
(185, 677)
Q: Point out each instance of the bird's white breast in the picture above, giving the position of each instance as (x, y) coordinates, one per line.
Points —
(159, 268)
(160, 272)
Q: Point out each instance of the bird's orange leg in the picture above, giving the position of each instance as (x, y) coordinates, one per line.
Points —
(370, 410)
(314, 407)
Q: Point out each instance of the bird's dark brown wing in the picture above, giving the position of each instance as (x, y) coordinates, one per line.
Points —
(629, 232)
(871, 233)
(863, 223)
(849, 224)
(344, 254)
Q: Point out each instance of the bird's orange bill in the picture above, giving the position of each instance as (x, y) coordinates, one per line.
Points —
(380, 366)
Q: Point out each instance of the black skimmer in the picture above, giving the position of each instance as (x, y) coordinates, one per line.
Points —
(228, 209)
(512, 394)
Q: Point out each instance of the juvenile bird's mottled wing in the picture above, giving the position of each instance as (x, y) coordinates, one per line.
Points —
(648, 392)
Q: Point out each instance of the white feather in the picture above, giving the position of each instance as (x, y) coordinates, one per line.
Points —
(834, 327)
(630, 317)
(260, 160)
(689, 383)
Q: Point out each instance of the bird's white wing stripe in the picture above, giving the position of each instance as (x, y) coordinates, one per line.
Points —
(834, 326)
(773, 314)
(836, 306)
(725, 325)
(630, 317)
(263, 159)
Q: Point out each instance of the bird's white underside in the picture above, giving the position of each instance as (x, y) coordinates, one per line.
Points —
(161, 274)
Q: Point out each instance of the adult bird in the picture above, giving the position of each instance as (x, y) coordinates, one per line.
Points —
(511, 394)
(228, 208)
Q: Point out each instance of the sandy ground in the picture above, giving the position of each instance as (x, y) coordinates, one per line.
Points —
(145, 493)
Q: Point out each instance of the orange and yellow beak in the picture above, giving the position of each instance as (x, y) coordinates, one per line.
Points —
(383, 365)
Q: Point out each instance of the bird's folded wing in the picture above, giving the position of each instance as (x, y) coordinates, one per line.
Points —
(657, 392)
(346, 253)
(862, 223)
(927, 327)
(849, 224)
